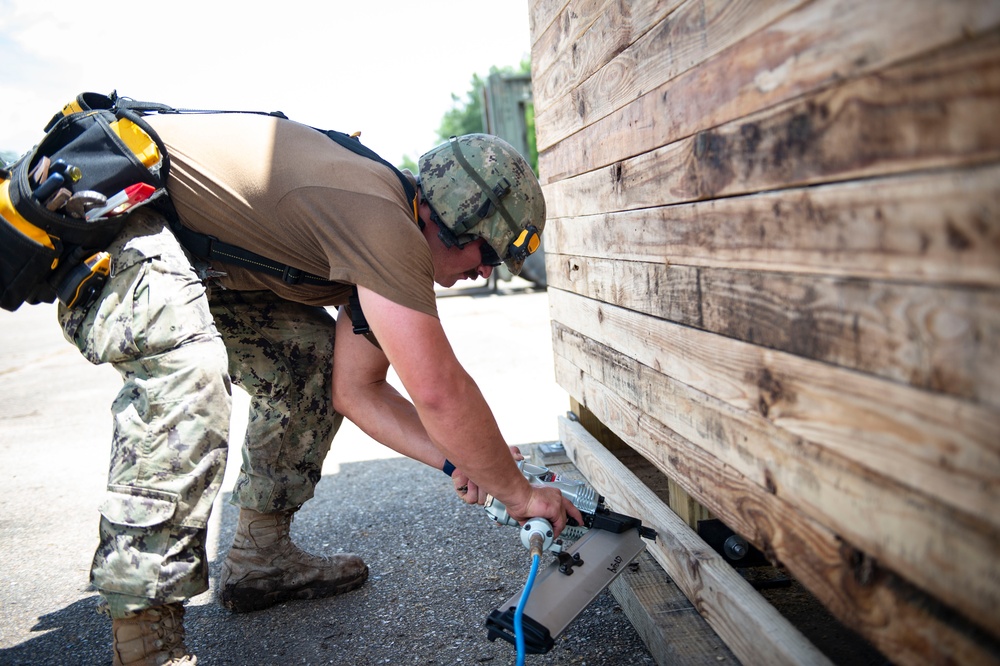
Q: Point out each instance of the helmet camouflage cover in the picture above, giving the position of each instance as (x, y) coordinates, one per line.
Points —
(481, 187)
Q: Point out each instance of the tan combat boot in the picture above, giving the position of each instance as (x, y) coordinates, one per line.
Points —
(153, 637)
(265, 568)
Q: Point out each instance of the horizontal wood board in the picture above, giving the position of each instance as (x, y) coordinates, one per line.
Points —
(926, 336)
(899, 620)
(935, 112)
(821, 45)
(750, 626)
(939, 228)
(773, 253)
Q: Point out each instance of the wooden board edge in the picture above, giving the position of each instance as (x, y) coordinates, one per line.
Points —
(698, 570)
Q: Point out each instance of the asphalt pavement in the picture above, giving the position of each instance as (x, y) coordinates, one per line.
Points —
(438, 566)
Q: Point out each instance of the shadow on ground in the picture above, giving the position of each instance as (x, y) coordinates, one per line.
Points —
(438, 567)
(75, 634)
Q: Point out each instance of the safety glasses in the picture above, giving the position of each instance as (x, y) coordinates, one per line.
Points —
(489, 255)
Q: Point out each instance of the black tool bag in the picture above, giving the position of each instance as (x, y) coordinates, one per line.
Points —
(97, 147)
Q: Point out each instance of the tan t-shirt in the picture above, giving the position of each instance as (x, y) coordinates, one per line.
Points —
(287, 192)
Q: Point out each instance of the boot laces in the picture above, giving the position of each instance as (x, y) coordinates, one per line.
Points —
(170, 630)
(154, 635)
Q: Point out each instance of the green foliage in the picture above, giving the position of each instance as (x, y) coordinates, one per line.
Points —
(529, 117)
(7, 157)
(466, 114)
(464, 117)
(408, 163)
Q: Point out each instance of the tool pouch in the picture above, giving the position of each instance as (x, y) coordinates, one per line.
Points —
(111, 148)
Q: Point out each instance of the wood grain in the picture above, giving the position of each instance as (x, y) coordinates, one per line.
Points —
(773, 254)
(941, 446)
(934, 338)
(944, 551)
(580, 88)
(541, 14)
(933, 228)
(823, 45)
(750, 626)
(933, 113)
(604, 34)
(897, 619)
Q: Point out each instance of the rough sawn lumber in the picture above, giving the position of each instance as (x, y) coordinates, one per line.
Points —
(751, 627)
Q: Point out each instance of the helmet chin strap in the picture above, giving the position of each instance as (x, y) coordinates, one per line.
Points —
(446, 235)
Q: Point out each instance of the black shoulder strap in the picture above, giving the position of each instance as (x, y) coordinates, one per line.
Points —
(204, 246)
(354, 144)
(209, 247)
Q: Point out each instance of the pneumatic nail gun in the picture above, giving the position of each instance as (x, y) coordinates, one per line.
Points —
(588, 558)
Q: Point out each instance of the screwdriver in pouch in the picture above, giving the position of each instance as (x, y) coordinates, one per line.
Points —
(49, 187)
(68, 171)
(85, 281)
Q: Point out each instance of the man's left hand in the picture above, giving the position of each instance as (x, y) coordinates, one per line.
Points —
(467, 490)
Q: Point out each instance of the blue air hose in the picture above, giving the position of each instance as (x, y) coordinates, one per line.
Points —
(519, 613)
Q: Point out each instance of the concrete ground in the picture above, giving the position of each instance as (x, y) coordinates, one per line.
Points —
(438, 567)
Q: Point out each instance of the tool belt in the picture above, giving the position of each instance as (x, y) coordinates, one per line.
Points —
(63, 202)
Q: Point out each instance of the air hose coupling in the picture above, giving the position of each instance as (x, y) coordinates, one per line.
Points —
(537, 535)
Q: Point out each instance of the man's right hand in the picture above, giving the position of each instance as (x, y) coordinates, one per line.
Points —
(546, 502)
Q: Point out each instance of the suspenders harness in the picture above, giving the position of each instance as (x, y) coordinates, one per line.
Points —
(63, 203)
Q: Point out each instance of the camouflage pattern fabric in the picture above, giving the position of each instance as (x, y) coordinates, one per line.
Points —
(448, 183)
(171, 418)
(153, 321)
(281, 354)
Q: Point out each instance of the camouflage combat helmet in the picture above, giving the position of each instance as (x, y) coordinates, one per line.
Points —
(479, 186)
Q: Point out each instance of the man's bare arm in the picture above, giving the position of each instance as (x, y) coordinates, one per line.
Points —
(452, 410)
(362, 393)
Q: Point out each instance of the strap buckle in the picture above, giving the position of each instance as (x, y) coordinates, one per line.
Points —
(358, 320)
(292, 275)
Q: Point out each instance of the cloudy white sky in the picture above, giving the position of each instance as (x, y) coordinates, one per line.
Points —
(384, 67)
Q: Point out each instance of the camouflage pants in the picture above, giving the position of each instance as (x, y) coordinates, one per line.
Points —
(176, 347)
(281, 354)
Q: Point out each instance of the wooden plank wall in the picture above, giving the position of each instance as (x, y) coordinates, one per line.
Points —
(773, 254)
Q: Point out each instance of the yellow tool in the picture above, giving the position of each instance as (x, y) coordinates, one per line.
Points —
(84, 282)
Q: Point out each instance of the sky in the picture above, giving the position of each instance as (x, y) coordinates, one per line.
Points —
(383, 67)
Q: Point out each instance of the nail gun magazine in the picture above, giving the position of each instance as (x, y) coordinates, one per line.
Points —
(587, 558)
